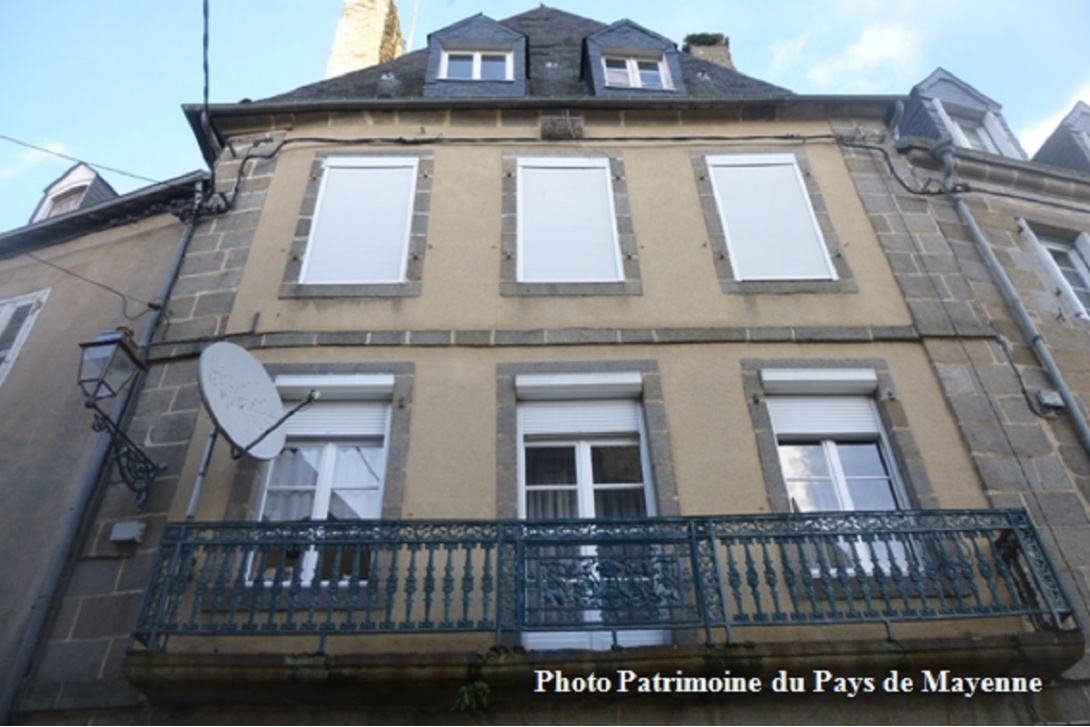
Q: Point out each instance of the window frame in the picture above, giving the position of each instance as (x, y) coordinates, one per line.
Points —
(830, 442)
(569, 402)
(8, 311)
(841, 279)
(318, 228)
(76, 193)
(344, 416)
(625, 276)
(635, 80)
(737, 248)
(295, 283)
(982, 121)
(869, 377)
(477, 54)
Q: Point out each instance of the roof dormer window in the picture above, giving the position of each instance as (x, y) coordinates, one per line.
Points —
(633, 72)
(477, 65)
(66, 201)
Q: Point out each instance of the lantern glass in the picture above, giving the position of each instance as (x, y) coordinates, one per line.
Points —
(108, 364)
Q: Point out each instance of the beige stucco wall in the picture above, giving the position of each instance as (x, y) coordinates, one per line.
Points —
(45, 451)
(452, 454)
(461, 279)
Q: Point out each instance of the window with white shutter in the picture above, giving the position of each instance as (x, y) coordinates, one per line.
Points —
(582, 454)
(333, 466)
(362, 221)
(1066, 257)
(567, 231)
(769, 225)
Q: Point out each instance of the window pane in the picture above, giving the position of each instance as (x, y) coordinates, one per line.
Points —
(650, 75)
(974, 133)
(288, 505)
(813, 496)
(354, 505)
(611, 504)
(616, 464)
(861, 460)
(616, 72)
(460, 65)
(803, 460)
(871, 494)
(296, 467)
(550, 465)
(361, 465)
(551, 504)
(493, 68)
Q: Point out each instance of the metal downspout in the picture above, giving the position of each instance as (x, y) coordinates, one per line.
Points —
(89, 489)
(944, 152)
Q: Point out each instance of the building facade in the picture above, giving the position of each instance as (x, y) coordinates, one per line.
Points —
(90, 261)
(629, 364)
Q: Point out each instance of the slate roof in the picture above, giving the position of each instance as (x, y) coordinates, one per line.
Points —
(556, 51)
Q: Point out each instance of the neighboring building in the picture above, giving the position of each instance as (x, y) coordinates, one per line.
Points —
(627, 361)
(62, 279)
(1069, 144)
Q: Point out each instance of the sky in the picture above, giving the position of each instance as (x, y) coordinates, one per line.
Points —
(104, 81)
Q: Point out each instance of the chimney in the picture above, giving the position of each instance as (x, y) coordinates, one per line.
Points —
(368, 33)
(711, 47)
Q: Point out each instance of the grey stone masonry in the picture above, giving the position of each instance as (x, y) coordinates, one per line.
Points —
(1025, 455)
(80, 666)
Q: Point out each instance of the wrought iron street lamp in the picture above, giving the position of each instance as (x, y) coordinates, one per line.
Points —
(108, 365)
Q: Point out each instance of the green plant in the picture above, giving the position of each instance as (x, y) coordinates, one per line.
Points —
(472, 697)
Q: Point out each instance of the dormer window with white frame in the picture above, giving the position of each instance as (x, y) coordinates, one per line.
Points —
(975, 129)
(477, 65)
(628, 71)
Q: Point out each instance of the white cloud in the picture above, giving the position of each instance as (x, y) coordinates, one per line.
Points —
(1034, 135)
(30, 158)
(785, 52)
(889, 48)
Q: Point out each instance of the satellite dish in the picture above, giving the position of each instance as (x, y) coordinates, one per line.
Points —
(241, 399)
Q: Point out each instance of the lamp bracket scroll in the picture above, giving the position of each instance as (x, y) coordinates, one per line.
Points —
(137, 470)
(108, 366)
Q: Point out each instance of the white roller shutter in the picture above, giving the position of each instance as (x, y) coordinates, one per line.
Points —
(360, 232)
(339, 419)
(567, 229)
(611, 416)
(825, 416)
(770, 227)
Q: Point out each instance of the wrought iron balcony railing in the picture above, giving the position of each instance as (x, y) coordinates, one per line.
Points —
(698, 574)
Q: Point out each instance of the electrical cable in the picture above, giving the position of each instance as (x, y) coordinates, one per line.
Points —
(124, 298)
(80, 161)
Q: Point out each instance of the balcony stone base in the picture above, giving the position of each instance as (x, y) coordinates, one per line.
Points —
(173, 680)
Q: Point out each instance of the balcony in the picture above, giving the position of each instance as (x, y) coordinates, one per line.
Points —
(666, 580)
